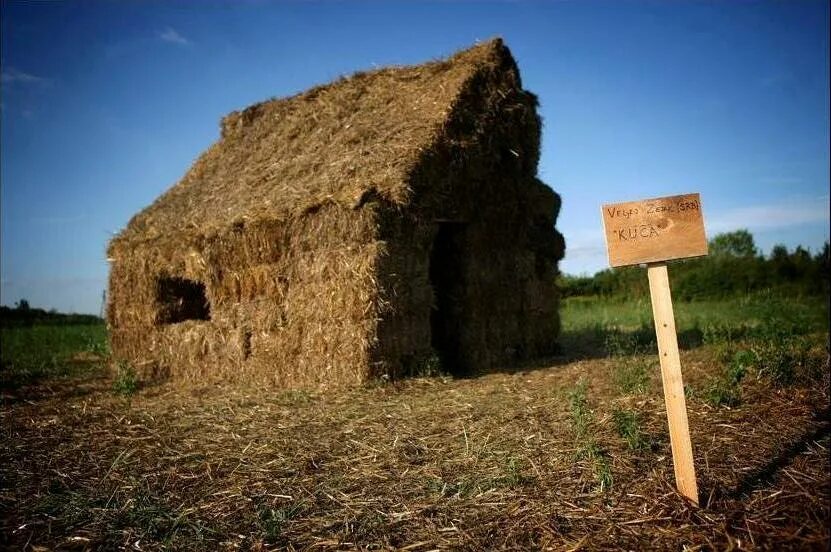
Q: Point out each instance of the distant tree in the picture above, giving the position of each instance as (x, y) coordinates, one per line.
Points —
(801, 255)
(734, 244)
(22, 305)
(822, 257)
(779, 253)
(821, 261)
(781, 264)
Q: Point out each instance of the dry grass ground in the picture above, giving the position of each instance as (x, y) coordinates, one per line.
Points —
(531, 459)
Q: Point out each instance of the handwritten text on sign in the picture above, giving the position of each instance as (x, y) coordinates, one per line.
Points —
(653, 230)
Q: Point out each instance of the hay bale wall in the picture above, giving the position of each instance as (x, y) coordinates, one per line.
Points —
(481, 174)
(315, 265)
(288, 303)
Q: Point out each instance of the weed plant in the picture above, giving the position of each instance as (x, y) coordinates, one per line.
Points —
(632, 376)
(126, 382)
(628, 427)
(588, 448)
(272, 521)
(510, 477)
(619, 343)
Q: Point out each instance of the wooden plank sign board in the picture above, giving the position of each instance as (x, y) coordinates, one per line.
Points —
(653, 231)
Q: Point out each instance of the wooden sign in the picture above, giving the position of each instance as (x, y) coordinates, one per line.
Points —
(652, 230)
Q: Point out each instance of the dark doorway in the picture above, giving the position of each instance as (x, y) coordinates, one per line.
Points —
(180, 299)
(447, 279)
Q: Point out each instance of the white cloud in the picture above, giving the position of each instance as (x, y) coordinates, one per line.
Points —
(585, 242)
(11, 75)
(779, 215)
(585, 251)
(172, 35)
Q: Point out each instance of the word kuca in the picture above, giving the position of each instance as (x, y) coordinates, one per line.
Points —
(635, 232)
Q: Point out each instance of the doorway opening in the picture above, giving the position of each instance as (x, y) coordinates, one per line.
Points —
(180, 299)
(447, 268)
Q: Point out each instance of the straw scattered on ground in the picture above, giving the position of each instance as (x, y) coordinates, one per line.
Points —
(495, 462)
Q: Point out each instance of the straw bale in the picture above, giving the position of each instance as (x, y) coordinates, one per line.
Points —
(311, 225)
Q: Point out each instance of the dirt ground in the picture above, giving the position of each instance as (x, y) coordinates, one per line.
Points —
(493, 462)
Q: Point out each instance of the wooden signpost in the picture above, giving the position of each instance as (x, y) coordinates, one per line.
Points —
(651, 232)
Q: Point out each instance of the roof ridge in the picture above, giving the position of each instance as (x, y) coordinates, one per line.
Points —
(239, 118)
(333, 142)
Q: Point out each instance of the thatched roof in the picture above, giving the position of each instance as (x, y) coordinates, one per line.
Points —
(335, 143)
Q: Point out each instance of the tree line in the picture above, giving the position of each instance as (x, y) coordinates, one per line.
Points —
(24, 315)
(734, 266)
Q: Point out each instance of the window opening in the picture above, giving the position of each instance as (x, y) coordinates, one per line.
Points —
(180, 299)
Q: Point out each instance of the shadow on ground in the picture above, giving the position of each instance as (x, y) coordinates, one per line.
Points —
(765, 475)
(592, 344)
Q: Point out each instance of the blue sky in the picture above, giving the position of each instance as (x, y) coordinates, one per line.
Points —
(106, 104)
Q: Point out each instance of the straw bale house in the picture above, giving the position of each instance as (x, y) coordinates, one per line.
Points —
(361, 229)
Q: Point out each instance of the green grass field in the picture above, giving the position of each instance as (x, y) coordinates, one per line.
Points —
(30, 353)
(597, 327)
(762, 310)
(781, 339)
